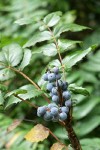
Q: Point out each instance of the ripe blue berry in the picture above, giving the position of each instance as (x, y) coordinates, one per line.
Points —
(47, 116)
(54, 91)
(52, 105)
(56, 70)
(49, 86)
(51, 77)
(54, 111)
(65, 86)
(65, 109)
(55, 98)
(58, 76)
(68, 103)
(45, 77)
(41, 110)
(63, 116)
(66, 95)
(60, 83)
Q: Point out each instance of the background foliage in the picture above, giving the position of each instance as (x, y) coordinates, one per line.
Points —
(17, 25)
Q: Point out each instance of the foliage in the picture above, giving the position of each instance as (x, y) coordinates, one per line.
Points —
(27, 45)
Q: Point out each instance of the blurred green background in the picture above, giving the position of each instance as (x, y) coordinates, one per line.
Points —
(86, 114)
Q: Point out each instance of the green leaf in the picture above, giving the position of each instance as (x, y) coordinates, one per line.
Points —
(39, 37)
(23, 21)
(32, 92)
(78, 90)
(55, 62)
(26, 59)
(32, 18)
(66, 44)
(11, 100)
(76, 56)
(3, 87)
(11, 54)
(60, 133)
(1, 98)
(6, 74)
(87, 125)
(91, 66)
(25, 92)
(48, 50)
(94, 143)
(52, 19)
(82, 110)
(95, 58)
(68, 27)
(18, 91)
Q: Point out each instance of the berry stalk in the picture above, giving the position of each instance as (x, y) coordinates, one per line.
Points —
(71, 133)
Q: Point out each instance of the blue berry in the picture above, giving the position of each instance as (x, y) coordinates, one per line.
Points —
(56, 70)
(51, 94)
(49, 86)
(54, 91)
(54, 111)
(51, 77)
(45, 77)
(66, 95)
(60, 83)
(41, 110)
(63, 116)
(52, 105)
(65, 86)
(65, 109)
(68, 103)
(55, 118)
(55, 98)
(58, 76)
(47, 116)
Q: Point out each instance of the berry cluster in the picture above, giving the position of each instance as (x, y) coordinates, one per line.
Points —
(61, 97)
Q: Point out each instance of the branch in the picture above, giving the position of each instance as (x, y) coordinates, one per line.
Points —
(71, 133)
(55, 136)
(25, 101)
(32, 82)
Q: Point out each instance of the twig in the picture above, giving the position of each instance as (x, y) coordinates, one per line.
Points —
(25, 101)
(32, 82)
(54, 136)
(57, 47)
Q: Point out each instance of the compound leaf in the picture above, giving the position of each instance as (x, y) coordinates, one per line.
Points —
(26, 59)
